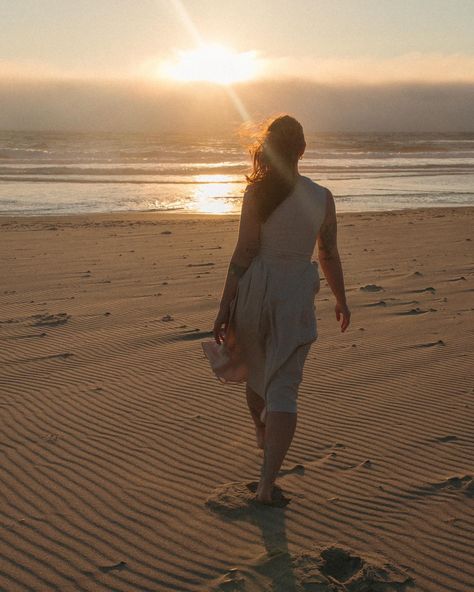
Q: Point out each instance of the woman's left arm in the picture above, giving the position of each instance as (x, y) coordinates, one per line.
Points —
(248, 244)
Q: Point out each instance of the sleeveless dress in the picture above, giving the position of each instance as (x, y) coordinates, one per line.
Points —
(272, 321)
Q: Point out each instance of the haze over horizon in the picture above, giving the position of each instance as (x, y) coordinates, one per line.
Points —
(365, 66)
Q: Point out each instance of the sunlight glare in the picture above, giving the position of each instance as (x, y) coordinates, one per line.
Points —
(212, 63)
(210, 198)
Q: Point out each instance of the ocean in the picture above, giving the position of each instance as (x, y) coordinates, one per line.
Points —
(65, 173)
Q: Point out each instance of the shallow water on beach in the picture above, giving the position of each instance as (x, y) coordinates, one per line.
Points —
(60, 173)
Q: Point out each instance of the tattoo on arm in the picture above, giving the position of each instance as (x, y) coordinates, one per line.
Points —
(328, 240)
(237, 270)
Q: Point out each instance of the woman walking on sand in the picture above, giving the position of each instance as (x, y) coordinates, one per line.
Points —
(266, 321)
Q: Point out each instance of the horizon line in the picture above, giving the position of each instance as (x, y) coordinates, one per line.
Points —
(223, 131)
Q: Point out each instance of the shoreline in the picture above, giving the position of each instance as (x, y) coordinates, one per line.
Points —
(141, 214)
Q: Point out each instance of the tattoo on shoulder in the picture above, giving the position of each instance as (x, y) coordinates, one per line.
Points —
(237, 270)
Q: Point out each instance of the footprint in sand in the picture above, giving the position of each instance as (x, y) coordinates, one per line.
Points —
(412, 312)
(50, 437)
(200, 264)
(51, 320)
(443, 439)
(63, 356)
(371, 288)
(464, 484)
(378, 303)
(29, 336)
(429, 289)
(297, 469)
(430, 344)
(457, 484)
(106, 568)
(331, 460)
(330, 569)
(237, 498)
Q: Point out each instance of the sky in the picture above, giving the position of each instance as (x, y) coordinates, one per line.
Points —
(78, 60)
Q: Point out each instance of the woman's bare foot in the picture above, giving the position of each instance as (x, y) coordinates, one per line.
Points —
(264, 494)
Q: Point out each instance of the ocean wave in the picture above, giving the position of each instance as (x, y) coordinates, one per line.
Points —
(63, 172)
(194, 168)
(23, 153)
(407, 194)
(118, 168)
(222, 174)
(108, 181)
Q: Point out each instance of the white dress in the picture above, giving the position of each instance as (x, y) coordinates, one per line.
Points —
(272, 320)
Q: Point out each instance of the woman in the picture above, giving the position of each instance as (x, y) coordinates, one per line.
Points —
(266, 321)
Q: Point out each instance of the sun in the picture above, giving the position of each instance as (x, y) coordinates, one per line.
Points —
(212, 63)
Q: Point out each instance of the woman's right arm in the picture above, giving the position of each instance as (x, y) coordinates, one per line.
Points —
(247, 247)
(330, 261)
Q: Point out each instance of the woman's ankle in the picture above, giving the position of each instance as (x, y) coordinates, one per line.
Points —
(266, 484)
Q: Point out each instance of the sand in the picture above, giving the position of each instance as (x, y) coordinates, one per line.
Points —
(127, 466)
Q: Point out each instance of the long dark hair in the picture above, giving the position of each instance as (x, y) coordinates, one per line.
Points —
(274, 156)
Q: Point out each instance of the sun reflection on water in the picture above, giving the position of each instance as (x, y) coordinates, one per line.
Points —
(213, 195)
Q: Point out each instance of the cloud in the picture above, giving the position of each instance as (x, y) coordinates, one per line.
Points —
(133, 105)
(411, 67)
(33, 70)
(26, 70)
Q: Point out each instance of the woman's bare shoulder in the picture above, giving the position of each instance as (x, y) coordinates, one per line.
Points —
(320, 192)
(250, 190)
(310, 182)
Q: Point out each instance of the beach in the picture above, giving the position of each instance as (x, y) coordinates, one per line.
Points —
(128, 466)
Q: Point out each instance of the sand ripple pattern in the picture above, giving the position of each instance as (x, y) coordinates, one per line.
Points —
(114, 435)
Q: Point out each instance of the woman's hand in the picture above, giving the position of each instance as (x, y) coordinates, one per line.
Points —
(343, 314)
(220, 324)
